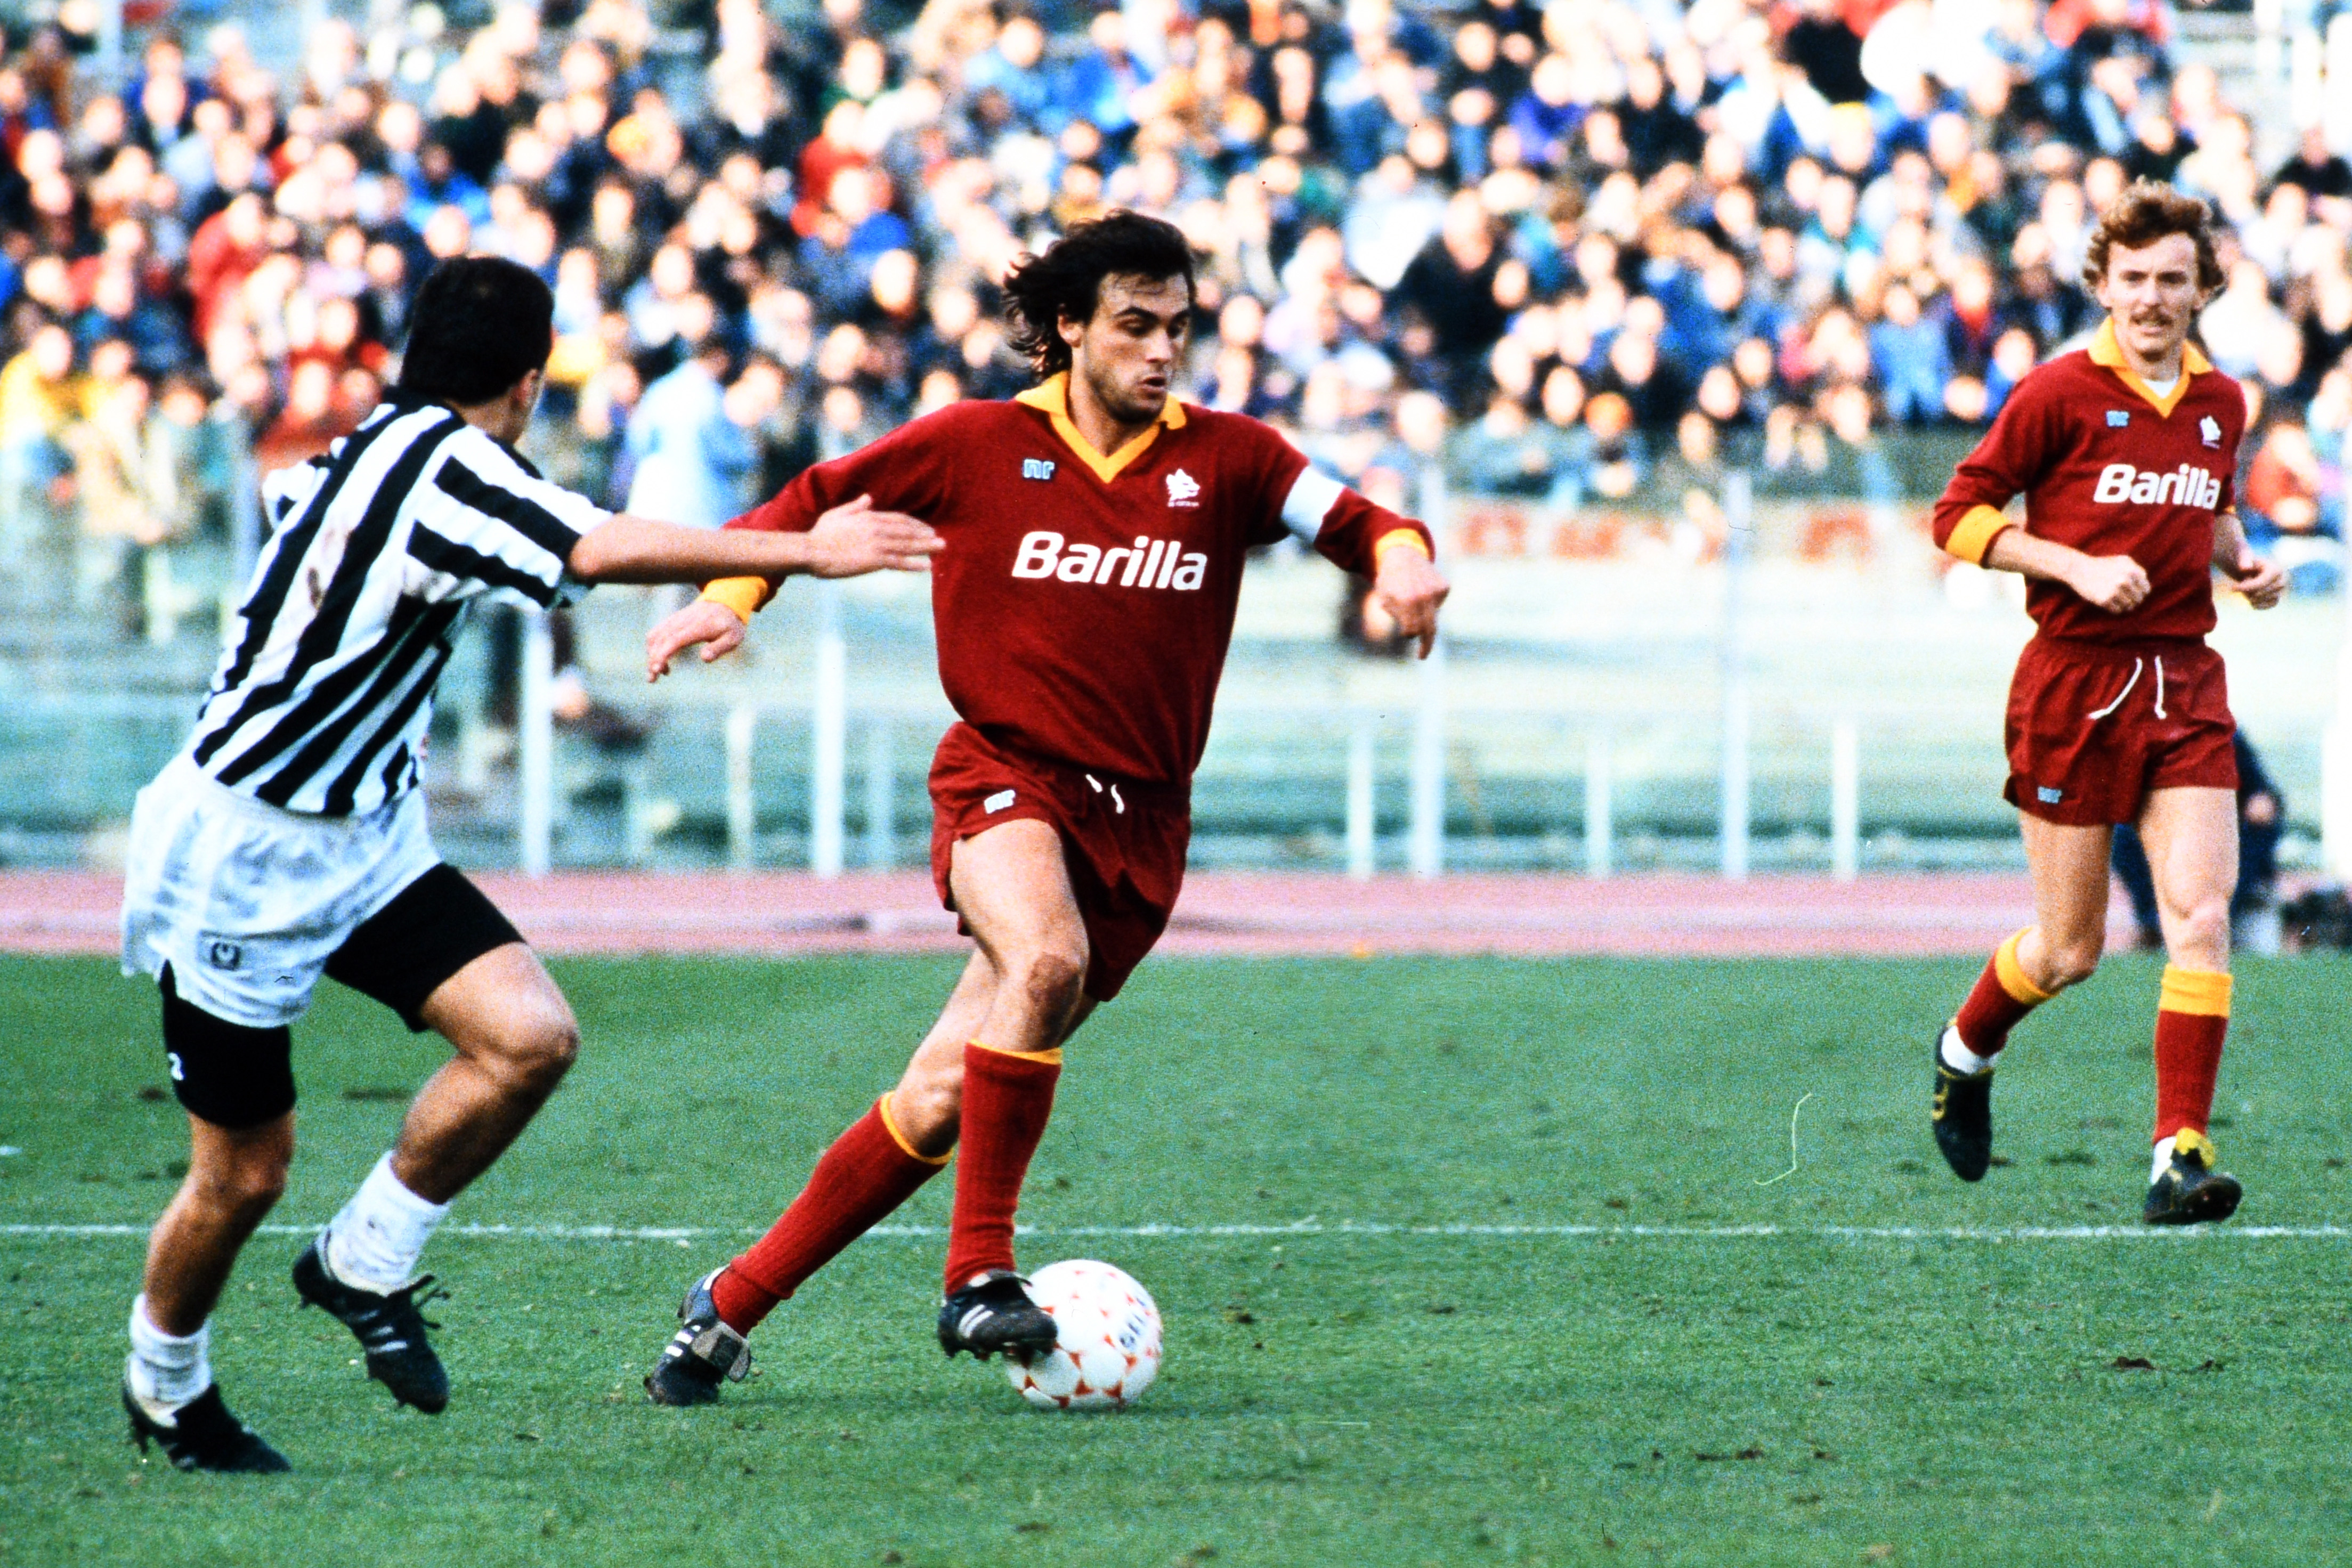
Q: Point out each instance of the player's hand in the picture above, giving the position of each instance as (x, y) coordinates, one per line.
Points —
(718, 629)
(854, 539)
(2116, 583)
(1410, 588)
(2262, 581)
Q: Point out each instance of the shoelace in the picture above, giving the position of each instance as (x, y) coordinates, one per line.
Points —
(380, 1327)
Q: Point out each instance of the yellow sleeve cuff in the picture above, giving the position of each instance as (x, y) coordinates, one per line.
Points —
(1974, 533)
(744, 595)
(1400, 539)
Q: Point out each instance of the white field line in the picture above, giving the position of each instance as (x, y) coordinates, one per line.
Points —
(684, 1234)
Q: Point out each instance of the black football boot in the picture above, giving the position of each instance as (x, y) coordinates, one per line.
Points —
(2190, 1191)
(994, 1314)
(203, 1436)
(1961, 1113)
(702, 1355)
(389, 1327)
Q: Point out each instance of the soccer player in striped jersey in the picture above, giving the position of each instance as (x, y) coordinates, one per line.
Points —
(2126, 453)
(287, 839)
(1096, 529)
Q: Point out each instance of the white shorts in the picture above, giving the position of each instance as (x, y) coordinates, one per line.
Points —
(247, 902)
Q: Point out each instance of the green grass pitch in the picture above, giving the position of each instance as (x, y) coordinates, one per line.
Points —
(1328, 1398)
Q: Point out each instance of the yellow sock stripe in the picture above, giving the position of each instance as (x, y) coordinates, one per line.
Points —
(882, 1109)
(2012, 975)
(1054, 1056)
(2199, 991)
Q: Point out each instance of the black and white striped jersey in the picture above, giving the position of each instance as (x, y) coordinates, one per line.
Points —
(325, 685)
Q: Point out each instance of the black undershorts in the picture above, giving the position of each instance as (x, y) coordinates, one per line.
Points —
(235, 1076)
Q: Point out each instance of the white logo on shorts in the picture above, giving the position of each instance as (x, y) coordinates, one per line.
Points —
(177, 1076)
(997, 802)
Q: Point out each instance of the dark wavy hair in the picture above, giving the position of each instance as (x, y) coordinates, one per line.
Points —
(481, 324)
(2145, 214)
(1067, 281)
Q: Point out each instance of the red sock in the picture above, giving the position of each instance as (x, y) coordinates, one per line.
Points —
(1007, 1100)
(868, 1172)
(2001, 996)
(2191, 1020)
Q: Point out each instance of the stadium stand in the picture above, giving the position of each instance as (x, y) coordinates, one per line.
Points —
(1572, 264)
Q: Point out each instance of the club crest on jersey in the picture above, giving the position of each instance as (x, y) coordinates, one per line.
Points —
(2118, 418)
(1183, 490)
(2210, 429)
(1036, 468)
(2120, 483)
(1147, 563)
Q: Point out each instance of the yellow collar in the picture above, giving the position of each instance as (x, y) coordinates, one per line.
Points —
(1052, 398)
(2106, 350)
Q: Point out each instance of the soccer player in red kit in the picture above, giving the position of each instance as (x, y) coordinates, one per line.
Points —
(1095, 532)
(2125, 452)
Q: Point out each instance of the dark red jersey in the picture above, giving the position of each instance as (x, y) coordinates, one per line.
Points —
(1084, 603)
(2109, 468)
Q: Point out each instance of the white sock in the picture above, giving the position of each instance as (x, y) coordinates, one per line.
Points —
(1958, 1056)
(2163, 1159)
(374, 1243)
(165, 1371)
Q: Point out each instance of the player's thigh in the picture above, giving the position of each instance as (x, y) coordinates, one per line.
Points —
(2192, 838)
(504, 1008)
(2069, 866)
(1013, 890)
(442, 956)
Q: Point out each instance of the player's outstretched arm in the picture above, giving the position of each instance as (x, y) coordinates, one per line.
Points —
(2116, 583)
(2262, 581)
(847, 541)
(1410, 589)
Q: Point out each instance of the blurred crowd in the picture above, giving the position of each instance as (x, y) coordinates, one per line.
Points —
(1601, 251)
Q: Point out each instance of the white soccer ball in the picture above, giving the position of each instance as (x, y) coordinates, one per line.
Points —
(1109, 1350)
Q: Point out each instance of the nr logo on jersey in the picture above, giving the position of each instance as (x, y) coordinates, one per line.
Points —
(1036, 468)
(2118, 418)
(2120, 483)
(1149, 563)
(1183, 490)
(2210, 429)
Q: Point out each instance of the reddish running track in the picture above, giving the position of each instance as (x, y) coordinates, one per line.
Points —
(779, 913)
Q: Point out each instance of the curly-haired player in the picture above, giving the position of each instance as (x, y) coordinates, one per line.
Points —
(2125, 452)
(1095, 531)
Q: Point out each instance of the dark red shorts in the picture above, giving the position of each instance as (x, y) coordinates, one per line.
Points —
(1124, 841)
(2093, 729)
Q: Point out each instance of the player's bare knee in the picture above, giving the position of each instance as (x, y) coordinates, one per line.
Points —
(245, 1187)
(2200, 937)
(533, 1053)
(1051, 976)
(550, 1048)
(2073, 961)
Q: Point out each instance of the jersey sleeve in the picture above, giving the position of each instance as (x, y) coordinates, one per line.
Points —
(2005, 465)
(485, 525)
(1343, 526)
(902, 472)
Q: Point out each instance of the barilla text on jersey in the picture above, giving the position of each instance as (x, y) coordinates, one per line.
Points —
(2120, 483)
(1149, 563)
